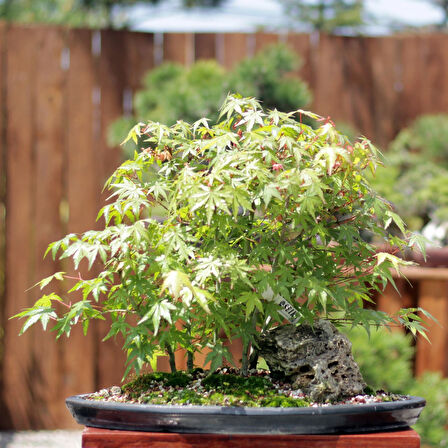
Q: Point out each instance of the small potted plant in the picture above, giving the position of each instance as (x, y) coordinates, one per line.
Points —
(418, 167)
(229, 231)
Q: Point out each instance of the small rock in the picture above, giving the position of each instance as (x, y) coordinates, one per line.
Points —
(115, 391)
(316, 360)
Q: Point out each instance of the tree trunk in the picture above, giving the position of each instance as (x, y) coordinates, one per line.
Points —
(172, 359)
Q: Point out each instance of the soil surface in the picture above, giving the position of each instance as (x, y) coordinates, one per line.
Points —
(222, 388)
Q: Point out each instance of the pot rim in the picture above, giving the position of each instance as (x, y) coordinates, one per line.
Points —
(409, 402)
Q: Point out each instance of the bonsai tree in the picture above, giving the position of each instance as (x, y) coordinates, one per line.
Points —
(262, 220)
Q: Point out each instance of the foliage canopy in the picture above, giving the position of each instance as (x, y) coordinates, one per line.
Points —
(263, 219)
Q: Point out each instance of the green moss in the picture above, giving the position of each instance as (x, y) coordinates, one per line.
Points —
(284, 402)
(180, 379)
(216, 390)
(147, 381)
(238, 384)
(186, 397)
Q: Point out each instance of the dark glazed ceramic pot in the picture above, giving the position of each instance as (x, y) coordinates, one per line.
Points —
(336, 419)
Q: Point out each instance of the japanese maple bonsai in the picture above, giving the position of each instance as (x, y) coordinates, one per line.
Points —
(207, 223)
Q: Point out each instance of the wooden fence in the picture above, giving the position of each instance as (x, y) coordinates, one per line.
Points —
(60, 89)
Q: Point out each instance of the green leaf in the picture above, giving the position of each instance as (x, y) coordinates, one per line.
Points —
(391, 216)
(174, 282)
(396, 262)
(153, 359)
(44, 282)
(133, 134)
(217, 355)
(270, 191)
(202, 297)
(252, 301)
(85, 326)
(34, 315)
(419, 241)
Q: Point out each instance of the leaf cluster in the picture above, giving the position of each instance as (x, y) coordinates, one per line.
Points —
(259, 202)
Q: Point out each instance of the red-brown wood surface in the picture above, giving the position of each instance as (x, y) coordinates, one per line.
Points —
(47, 189)
(330, 63)
(138, 57)
(233, 48)
(433, 69)
(300, 44)
(385, 71)
(20, 361)
(411, 49)
(81, 162)
(204, 46)
(265, 39)
(104, 438)
(392, 300)
(357, 83)
(5, 422)
(433, 298)
(178, 47)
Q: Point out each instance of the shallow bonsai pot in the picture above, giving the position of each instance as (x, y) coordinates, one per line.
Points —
(335, 419)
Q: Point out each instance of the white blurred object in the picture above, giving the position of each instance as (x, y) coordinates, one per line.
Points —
(247, 16)
(41, 439)
(436, 233)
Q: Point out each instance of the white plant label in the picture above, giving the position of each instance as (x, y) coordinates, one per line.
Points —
(286, 309)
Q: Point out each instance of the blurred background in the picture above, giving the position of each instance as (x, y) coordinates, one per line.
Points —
(75, 75)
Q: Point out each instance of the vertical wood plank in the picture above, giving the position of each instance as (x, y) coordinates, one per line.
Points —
(111, 81)
(47, 195)
(178, 47)
(433, 297)
(300, 44)
(82, 160)
(204, 46)
(385, 60)
(358, 84)
(234, 49)
(411, 101)
(3, 45)
(5, 421)
(18, 356)
(265, 39)
(432, 63)
(138, 57)
(330, 98)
